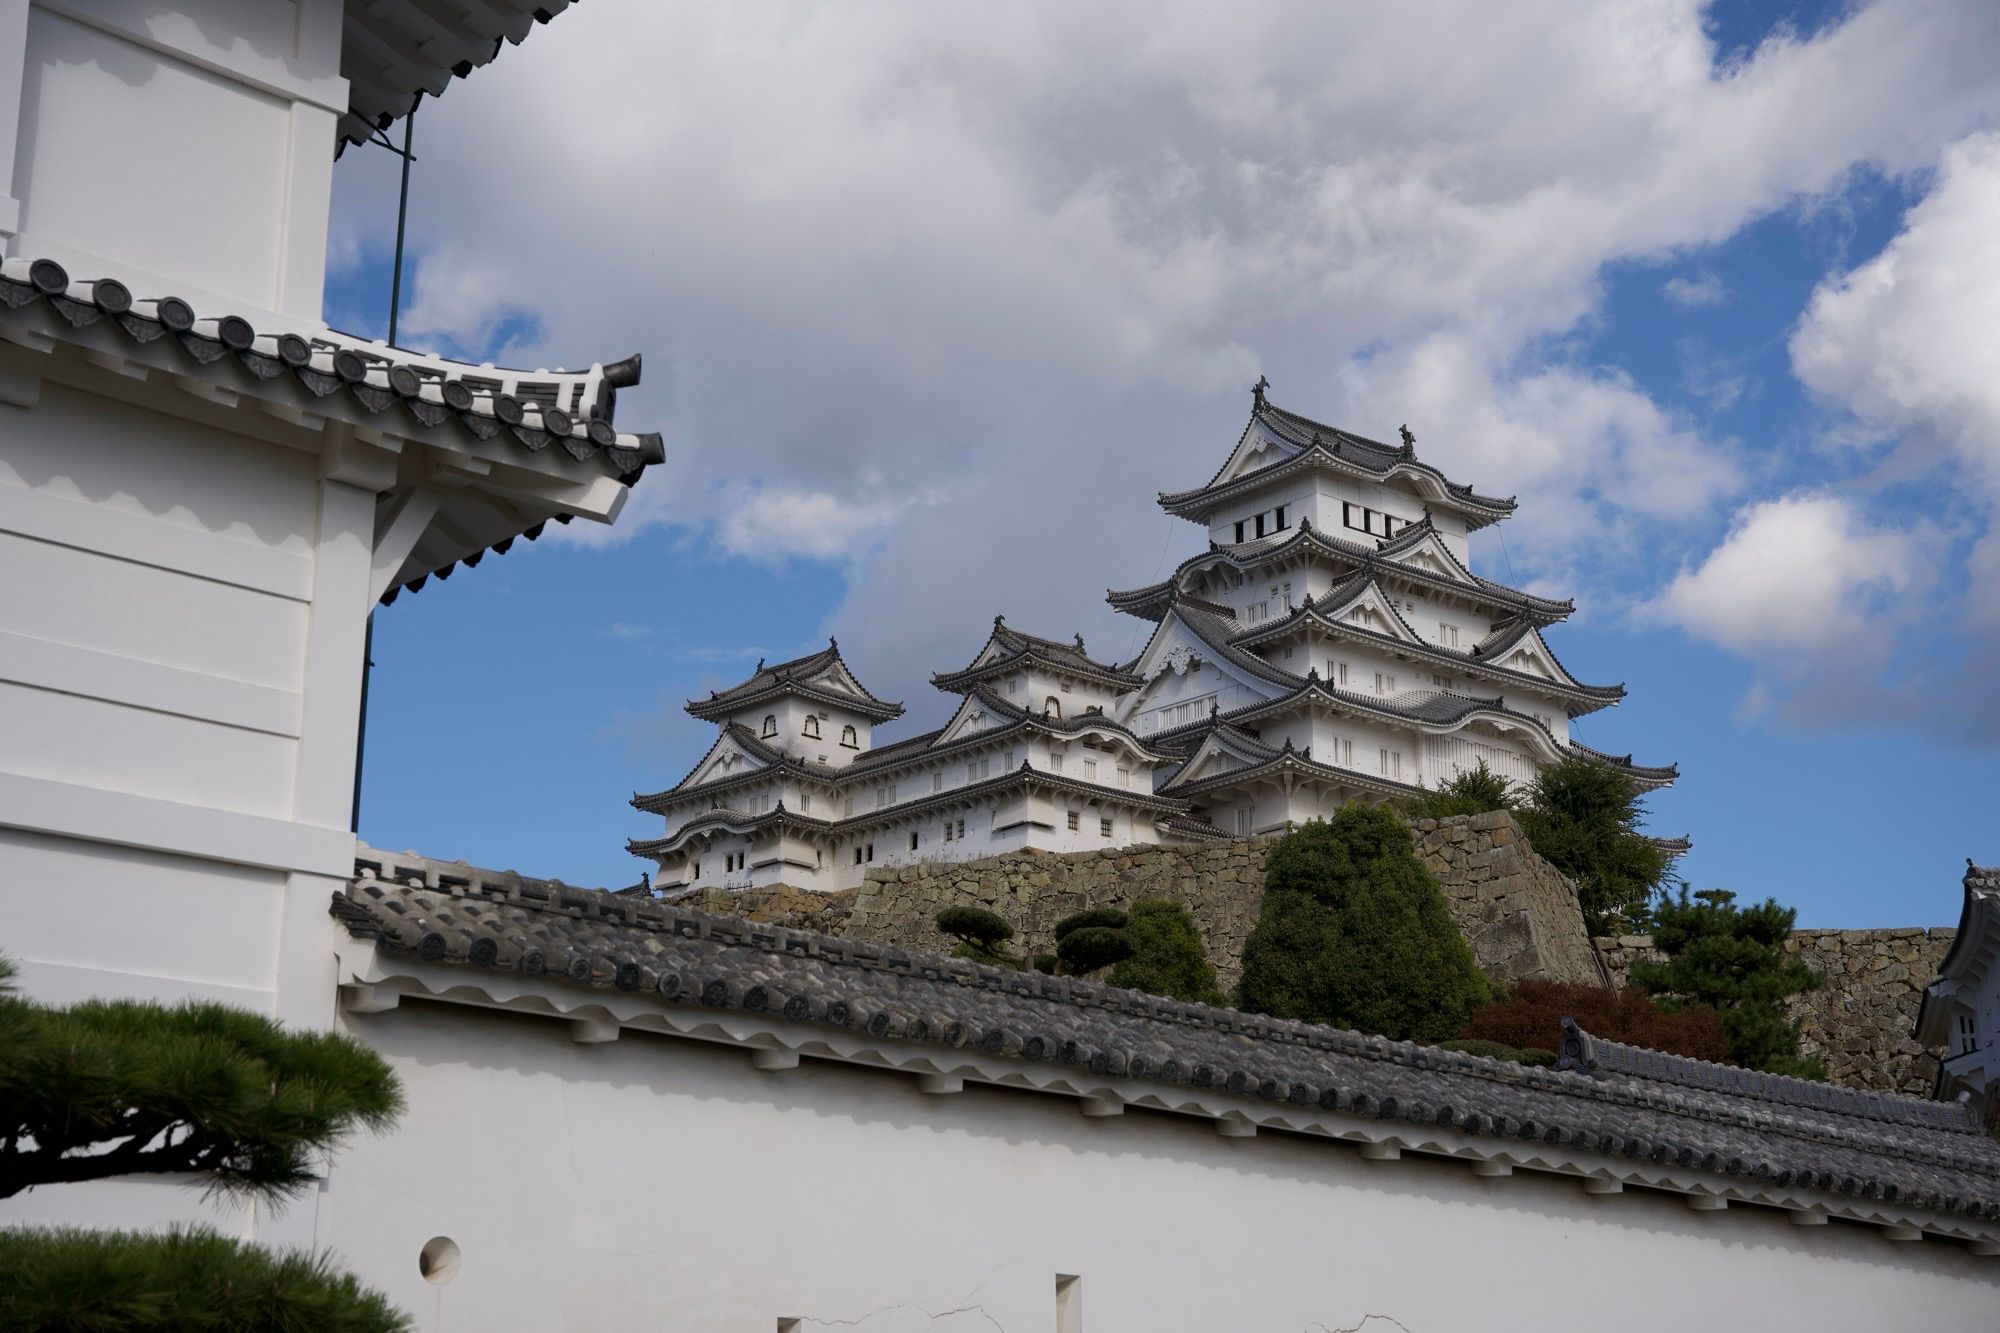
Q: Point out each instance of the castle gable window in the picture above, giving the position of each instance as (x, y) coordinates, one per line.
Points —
(848, 738)
(770, 726)
(812, 727)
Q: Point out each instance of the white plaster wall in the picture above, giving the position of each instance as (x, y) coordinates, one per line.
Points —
(657, 1184)
(188, 151)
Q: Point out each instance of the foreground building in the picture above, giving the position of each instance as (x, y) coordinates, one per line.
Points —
(1332, 645)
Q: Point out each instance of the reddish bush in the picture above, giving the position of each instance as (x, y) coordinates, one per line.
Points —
(1531, 1014)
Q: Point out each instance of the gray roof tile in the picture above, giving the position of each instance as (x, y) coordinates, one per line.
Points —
(1660, 1109)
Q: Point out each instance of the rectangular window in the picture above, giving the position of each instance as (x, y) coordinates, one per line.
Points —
(986, 767)
(850, 807)
(972, 772)
(937, 782)
(1055, 761)
(1239, 532)
(1090, 770)
(1124, 777)
(1074, 821)
(1009, 766)
(1281, 518)
(1242, 823)
(1260, 525)
(871, 851)
(947, 830)
(1391, 763)
(805, 802)
(1346, 754)
(961, 828)
(913, 841)
(1103, 828)
(857, 855)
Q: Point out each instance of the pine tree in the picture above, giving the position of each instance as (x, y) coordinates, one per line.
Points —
(1583, 818)
(1472, 792)
(1733, 959)
(1353, 931)
(122, 1087)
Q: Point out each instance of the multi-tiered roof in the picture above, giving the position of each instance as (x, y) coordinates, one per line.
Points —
(1362, 583)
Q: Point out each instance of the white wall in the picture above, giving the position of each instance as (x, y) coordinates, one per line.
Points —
(211, 120)
(661, 1184)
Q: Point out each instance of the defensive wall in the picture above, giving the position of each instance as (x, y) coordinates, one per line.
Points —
(1518, 912)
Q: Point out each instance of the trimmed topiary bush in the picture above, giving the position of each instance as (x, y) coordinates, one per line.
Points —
(1088, 948)
(1108, 917)
(1167, 955)
(979, 933)
(1532, 1011)
(1354, 932)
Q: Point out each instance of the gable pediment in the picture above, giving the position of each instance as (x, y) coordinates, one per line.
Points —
(727, 758)
(1220, 754)
(974, 715)
(1432, 557)
(1258, 449)
(1369, 609)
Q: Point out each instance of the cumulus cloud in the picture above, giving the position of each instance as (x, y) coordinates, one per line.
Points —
(1022, 263)
(1799, 575)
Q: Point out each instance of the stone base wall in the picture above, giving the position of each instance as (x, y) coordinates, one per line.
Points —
(1858, 1022)
(1518, 912)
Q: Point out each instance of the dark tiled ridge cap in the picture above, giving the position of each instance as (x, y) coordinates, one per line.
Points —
(376, 376)
(1303, 762)
(1623, 762)
(1251, 555)
(1301, 430)
(686, 958)
(1597, 1055)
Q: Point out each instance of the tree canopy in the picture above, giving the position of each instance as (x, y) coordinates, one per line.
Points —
(1583, 818)
(1168, 957)
(1472, 792)
(187, 1281)
(1353, 931)
(121, 1087)
(979, 933)
(1732, 959)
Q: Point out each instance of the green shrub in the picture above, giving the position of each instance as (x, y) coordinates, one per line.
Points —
(186, 1281)
(1532, 1011)
(1167, 955)
(975, 925)
(1353, 931)
(1044, 962)
(1108, 917)
(1520, 1055)
(1583, 818)
(1733, 959)
(1473, 792)
(1088, 948)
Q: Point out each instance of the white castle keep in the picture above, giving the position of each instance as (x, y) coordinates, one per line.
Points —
(1331, 645)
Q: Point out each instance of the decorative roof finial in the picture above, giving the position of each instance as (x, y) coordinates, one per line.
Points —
(1409, 439)
(760, 664)
(1214, 707)
(1257, 392)
(1079, 643)
(833, 643)
(998, 621)
(1313, 675)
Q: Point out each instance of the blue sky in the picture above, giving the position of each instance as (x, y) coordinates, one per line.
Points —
(924, 345)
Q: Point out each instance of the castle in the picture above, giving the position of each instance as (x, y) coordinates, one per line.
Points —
(1331, 645)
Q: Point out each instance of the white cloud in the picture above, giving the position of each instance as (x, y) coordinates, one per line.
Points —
(1796, 578)
(1907, 341)
(1021, 263)
(1700, 292)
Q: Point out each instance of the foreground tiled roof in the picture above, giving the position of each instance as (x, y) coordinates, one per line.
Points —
(316, 372)
(1664, 1121)
(394, 51)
